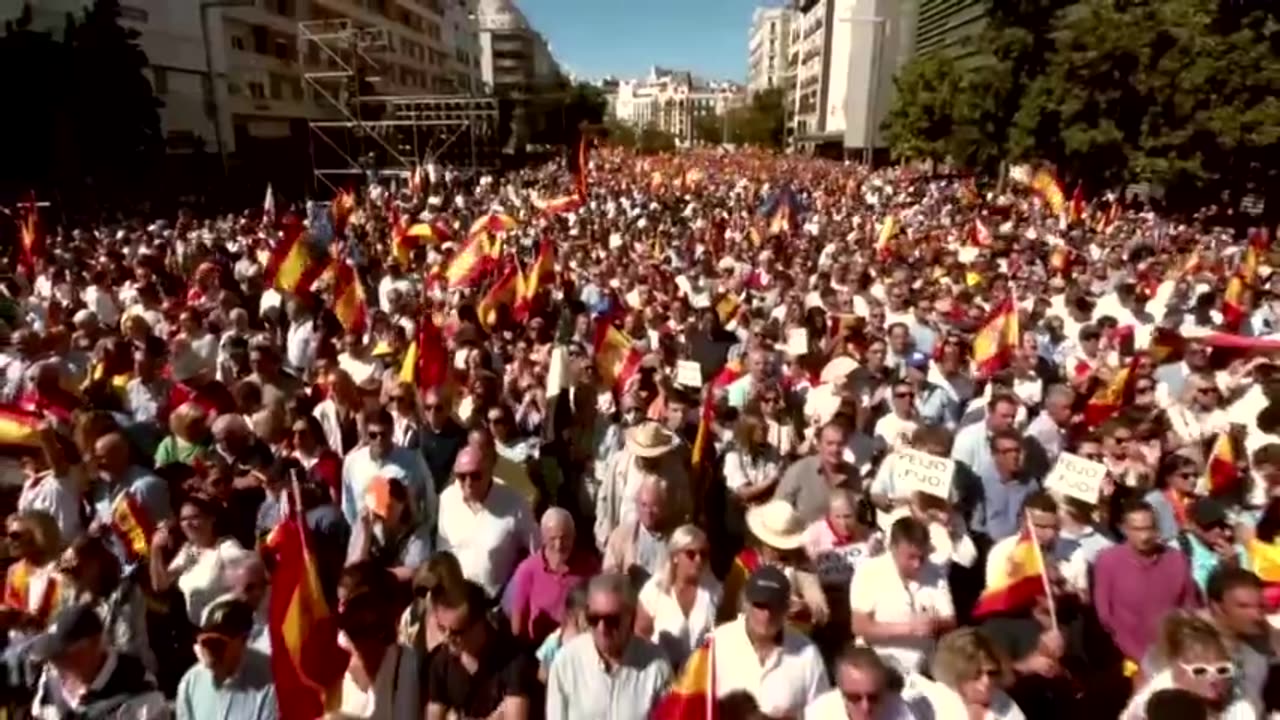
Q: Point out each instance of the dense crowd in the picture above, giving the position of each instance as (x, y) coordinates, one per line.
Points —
(701, 435)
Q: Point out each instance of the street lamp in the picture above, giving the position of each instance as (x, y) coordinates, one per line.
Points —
(205, 7)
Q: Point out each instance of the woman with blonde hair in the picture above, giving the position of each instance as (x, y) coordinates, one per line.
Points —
(1193, 656)
(678, 607)
(32, 586)
(970, 674)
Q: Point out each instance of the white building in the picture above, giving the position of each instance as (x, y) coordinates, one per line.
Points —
(846, 54)
(670, 100)
(769, 48)
(513, 55)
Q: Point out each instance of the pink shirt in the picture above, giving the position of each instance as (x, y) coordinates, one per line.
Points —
(834, 558)
(538, 593)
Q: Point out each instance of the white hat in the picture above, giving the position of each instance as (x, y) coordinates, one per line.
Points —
(776, 524)
(838, 369)
(649, 439)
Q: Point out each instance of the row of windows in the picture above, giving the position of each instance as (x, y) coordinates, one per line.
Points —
(277, 87)
(263, 41)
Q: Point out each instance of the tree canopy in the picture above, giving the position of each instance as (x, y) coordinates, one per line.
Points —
(1182, 94)
(82, 116)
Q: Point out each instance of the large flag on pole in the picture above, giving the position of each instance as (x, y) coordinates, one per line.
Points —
(1019, 583)
(693, 696)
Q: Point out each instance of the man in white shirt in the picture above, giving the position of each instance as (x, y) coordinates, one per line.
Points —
(378, 457)
(488, 526)
(782, 669)
(862, 690)
(900, 602)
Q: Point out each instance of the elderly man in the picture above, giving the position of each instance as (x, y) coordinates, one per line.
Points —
(807, 483)
(486, 525)
(111, 458)
(638, 547)
(1047, 434)
(543, 580)
(649, 451)
(607, 672)
(231, 679)
(247, 579)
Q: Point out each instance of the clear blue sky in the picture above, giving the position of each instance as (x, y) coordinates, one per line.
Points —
(594, 38)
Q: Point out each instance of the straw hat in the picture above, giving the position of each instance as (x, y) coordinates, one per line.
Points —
(776, 524)
(649, 439)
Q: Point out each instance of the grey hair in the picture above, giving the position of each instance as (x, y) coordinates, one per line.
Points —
(1059, 392)
(616, 584)
(556, 514)
(242, 563)
(658, 483)
(230, 422)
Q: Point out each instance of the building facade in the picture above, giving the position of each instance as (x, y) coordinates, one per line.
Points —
(671, 101)
(231, 73)
(513, 56)
(945, 24)
(769, 48)
(846, 54)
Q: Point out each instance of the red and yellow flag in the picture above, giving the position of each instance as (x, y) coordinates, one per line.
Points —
(884, 247)
(997, 339)
(539, 275)
(1019, 583)
(616, 357)
(131, 523)
(1220, 472)
(1264, 560)
(559, 205)
(471, 262)
(307, 663)
(1076, 211)
(1108, 399)
(17, 590)
(492, 223)
(426, 362)
(503, 292)
(727, 307)
(19, 427)
(1046, 185)
(693, 695)
(348, 298)
(292, 267)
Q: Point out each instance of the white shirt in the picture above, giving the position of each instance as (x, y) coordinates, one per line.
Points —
(490, 539)
(931, 700)
(784, 684)
(1137, 707)
(830, 706)
(55, 496)
(679, 635)
(201, 581)
(895, 431)
(408, 466)
(878, 590)
(394, 690)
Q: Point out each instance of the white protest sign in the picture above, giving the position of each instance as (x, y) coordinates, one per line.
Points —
(797, 342)
(688, 374)
(1077, 477)
(914, 471)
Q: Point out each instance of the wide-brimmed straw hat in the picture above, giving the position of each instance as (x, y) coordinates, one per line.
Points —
(650, 439)
(776, 524)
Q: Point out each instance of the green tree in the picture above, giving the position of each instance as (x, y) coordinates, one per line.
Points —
(620, 134)
(654, 140)
(710, 128)
(927, 126)
(761, 121)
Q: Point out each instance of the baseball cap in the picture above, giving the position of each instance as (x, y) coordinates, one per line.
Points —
(68, 627)
(228, 616)
(917, 360)
(768, 587)
(1208, 512)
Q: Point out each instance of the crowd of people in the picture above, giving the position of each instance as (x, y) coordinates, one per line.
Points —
(811, 441)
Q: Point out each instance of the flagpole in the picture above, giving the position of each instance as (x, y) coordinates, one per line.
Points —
(1044, 574)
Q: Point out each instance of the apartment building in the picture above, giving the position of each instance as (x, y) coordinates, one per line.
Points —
(514, 57)
(945, 24)
(671, 100)
(769, 48)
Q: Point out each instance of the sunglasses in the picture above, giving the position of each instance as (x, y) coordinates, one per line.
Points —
(611, 621)
(1201, 671)
(695, 553)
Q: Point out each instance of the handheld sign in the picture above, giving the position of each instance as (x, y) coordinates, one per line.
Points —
(797, 342)
(1077, 477)
(914, 471)
(688, 374)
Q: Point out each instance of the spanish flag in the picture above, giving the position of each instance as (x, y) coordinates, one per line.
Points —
(1233, 310)
(1107, 219)
(1076, 213)
(884, 248)
(133, 526)
(701, 474)
(727, 308)
(1264, 559)
(492, 223)
(1059, 259)
(997, 339)
(1220, 471)
(616, 357)
(1046, 185)
(1019, 583)
(19, 428)
(292, 268)
(1109, 398)
(307, 663)
(469, 264)
(539, 275)
(348, 298)
(344, 204)
(503, 292)
(693, 696)
(426, 363)
(17, 589)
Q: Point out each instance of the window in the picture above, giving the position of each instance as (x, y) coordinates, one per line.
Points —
(256, 90)
(260, 40)
(281, 7)
(282, 49)
(295, 89)
(237, 42)
(277, 86)
(160, 80)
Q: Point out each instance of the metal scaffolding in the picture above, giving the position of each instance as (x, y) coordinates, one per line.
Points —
(384, 134)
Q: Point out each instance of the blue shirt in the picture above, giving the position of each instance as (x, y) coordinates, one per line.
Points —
(998, 511)
(247, 695)
(1204, 560)
(936, 406)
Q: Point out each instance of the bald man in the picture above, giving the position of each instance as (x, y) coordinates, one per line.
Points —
(488, 526)
(120, 476)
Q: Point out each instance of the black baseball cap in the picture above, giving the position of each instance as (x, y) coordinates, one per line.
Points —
(768, 587)
(69, 626)
(1208, 512)
(228, 616)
